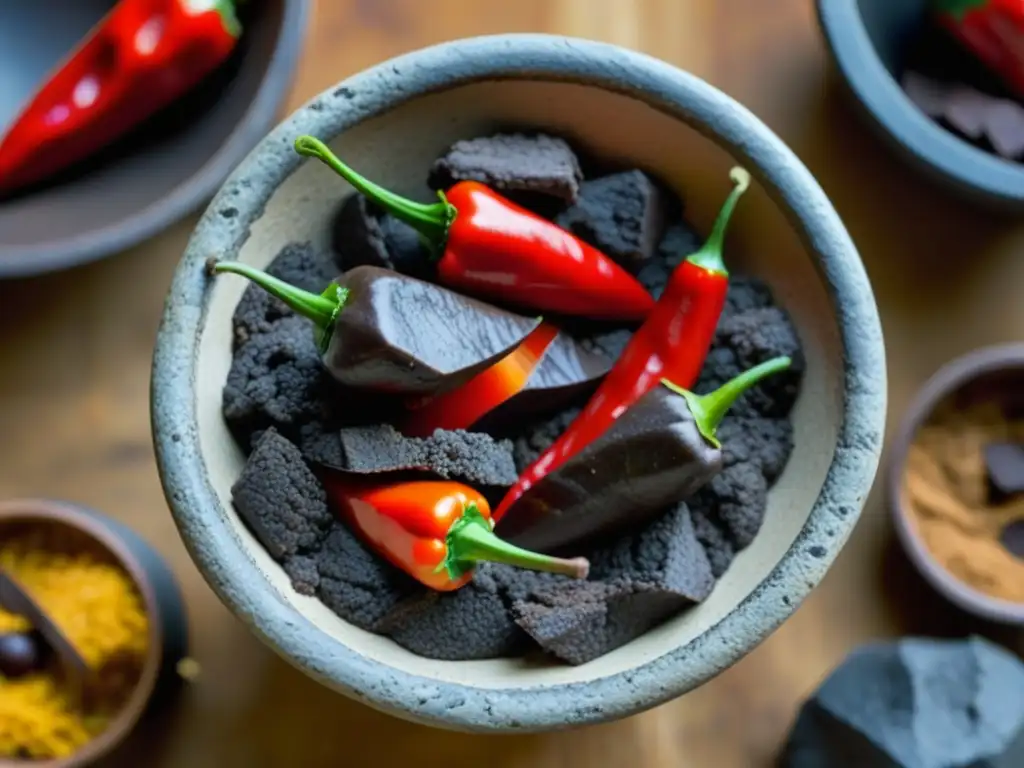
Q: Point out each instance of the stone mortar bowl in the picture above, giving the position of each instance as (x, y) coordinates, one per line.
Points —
(392, 121)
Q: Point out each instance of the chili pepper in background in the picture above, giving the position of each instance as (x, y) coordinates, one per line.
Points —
(671, 344)
(544, 374)
(141, 57)
(661, 451)
(488, 246)
(992, 30)
(377, 329)
(436, 531)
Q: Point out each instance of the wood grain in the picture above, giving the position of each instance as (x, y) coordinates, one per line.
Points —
(74, 376)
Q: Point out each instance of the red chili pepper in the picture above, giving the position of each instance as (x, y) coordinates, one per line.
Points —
(491, 247)
(464, 406)
(436, 531)
(142, 56)
(993, 30)
(672, 344)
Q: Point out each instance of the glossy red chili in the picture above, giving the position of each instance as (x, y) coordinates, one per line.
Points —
(671, 344)
(436, 531)
(142, 56)
(993, 30)
(493, 248)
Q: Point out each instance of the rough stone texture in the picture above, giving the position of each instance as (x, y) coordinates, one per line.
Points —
(917, 703)
(512, 163)
(636, 583)
(280, 499)
(622, 215)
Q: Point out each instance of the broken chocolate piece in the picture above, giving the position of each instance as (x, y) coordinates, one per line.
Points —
(1012, 537)
(511, 163)
(653, 456)
(1004, 464)
(364, 235)
(622, 215)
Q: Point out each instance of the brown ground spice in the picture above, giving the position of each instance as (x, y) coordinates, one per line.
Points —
(945, 488)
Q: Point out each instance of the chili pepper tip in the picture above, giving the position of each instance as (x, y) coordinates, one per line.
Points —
(741, 177)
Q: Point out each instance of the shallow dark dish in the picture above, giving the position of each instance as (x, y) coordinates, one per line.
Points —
(396, 118)
(168, 623)
(865, 39)
(971, 368)
(167, 167)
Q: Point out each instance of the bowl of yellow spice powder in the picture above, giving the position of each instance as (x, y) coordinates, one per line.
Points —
(956, 484)
(91, 643)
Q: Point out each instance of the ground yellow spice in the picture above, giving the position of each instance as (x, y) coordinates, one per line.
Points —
(90, 597)
(945, 488)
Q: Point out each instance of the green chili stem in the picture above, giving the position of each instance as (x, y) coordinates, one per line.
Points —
(431, 220)
(709, 410)
(322, 308)
(710, 254)
(472, 540)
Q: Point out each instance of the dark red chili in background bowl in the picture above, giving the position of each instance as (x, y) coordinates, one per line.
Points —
(161, 170)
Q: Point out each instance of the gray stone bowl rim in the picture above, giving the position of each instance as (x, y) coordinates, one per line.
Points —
(944, 382)
(43, 258)
(230, 572)
(930, 146)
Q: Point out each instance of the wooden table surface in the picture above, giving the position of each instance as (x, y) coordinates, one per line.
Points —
(74, 403)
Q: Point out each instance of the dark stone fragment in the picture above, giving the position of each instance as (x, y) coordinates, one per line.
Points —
(20, 654)
(622, 215)
(277, 380)
(356, 584)
(636, 583)
(916, 703)
(280, 499)
(511, 163)
(364, 235)
(297, 263)
(475, 458)
(1004, 465)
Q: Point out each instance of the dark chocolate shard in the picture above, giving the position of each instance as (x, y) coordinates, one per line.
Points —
(565, 373)
(1004, 464)
(639, 582)
(622, 215)
(1012, 537)
(653, 456)
(401, 335)
(511, 163)
(916, 703)
(474, 458)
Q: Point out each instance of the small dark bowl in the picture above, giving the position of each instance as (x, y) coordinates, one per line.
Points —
(165, 168)
(866, 39)
(163, 603)
(990, 371)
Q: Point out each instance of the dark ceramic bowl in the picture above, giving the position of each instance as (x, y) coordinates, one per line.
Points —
(164, 169)
(162, 600)
(998, 369)
(866, 39)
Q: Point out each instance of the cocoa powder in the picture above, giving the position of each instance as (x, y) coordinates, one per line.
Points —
(945, 490)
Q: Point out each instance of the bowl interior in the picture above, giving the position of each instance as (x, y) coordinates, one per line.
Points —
(395, 149)
(891, 26)
(125, 186)
(23, 515)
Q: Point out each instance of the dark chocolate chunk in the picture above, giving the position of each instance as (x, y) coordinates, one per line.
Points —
(636, 584)
(1004, 464)
(611, 344)
(741, 493)
(527, 448)
(651, 457)
(398, 334)
(679, 241)
(622, 215)
(297, 263)
(355, 583)
(1012, 537)
(363, 235)
(511, 163)
(929, 95)
(747, 293)
(764, 442)
(916, 703)
(277, 380)
(302, 570)
(280, 499)
(711, 534)
(20, 654)
(474, 458)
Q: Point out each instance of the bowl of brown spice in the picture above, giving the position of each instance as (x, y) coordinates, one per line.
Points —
(92, 627)
(956, 482)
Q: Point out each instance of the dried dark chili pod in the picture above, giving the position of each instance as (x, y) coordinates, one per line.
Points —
(659, 452)
(379, 330)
